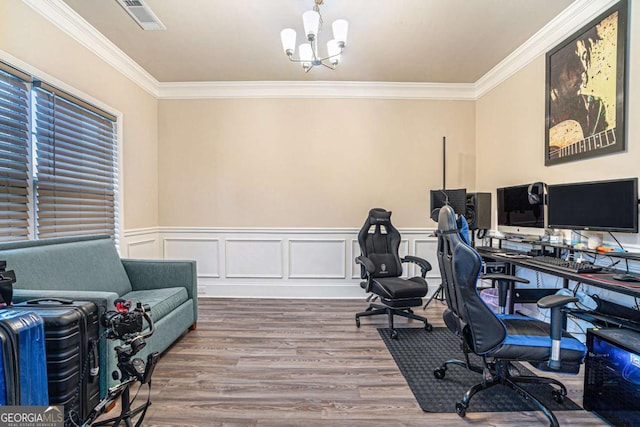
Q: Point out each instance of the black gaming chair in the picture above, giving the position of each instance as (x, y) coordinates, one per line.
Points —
(499, 339)
(381, 266)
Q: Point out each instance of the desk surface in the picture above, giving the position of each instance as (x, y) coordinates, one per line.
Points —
(559, 246)
(603, 279)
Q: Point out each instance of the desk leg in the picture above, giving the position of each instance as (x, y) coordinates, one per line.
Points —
(512, 287)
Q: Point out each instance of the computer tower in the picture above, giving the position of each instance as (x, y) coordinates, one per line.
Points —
(478, 213)
(612, 375)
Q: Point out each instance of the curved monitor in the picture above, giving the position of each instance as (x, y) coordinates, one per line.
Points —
(610, 205)
(516, 215)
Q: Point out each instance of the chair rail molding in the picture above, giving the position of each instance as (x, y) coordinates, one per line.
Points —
(273, 262)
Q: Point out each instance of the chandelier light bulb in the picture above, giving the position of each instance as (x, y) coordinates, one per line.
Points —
(288, 37)
(311, 22)
(306, 55)
(334, 52)
(340, 28)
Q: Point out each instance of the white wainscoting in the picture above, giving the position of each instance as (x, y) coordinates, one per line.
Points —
(274, 263)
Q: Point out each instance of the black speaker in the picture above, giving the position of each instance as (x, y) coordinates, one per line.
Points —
(478, 212)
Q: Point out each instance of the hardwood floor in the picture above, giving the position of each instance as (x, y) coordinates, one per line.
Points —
(302, 363)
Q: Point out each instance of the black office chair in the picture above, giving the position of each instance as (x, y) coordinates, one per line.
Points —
(499, 339)
(381, 266)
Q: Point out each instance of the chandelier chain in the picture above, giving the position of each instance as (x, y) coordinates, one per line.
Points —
(316, 8)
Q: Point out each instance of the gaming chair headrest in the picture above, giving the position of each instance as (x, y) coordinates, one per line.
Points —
(379, 216)
(447, 219)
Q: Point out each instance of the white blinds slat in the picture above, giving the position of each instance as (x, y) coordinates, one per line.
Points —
(14, 161)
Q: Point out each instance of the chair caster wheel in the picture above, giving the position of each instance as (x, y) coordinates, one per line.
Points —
(357, 322)
(461, 410)
(439, 373)
(558, 397)
(394, 334)
(428, 327)
(409, 311)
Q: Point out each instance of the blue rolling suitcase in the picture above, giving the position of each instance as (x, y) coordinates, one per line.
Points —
(23, 362)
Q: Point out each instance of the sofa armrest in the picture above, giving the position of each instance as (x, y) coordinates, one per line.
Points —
(153, 274)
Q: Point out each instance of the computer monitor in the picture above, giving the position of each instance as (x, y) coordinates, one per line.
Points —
(610, 205)
(457, 199)
(516, 214)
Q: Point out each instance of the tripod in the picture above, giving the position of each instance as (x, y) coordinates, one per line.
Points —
(438, 294)
(126, 413)
(130, 371)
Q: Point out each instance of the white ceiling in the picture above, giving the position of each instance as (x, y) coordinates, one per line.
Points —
(436, 41)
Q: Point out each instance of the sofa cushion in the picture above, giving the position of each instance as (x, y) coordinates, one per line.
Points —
(162, 301)
(79, 263)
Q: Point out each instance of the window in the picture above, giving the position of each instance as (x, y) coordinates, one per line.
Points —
(71, 188)
(14, 158)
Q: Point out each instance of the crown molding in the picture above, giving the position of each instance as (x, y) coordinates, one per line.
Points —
(566, 23)
(66, 19)
(558, 29)
(318, 89)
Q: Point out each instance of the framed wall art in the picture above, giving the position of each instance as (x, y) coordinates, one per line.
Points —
(586, 90)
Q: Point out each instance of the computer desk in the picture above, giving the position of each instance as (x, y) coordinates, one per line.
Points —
(602, 279)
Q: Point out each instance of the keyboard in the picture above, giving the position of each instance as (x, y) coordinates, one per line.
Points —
(564, 265)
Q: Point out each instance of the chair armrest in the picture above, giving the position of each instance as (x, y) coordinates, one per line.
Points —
(154, 274)
(551, 301)
(423, 263)
(557, 305)
(368, 265)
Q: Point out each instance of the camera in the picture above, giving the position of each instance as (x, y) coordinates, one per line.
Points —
(124, 324)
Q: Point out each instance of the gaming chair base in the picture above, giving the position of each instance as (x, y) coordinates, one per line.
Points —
(503, 376)
(376, 309)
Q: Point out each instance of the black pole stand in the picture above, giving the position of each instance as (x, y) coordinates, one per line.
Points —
(126, 413)
(438, 294)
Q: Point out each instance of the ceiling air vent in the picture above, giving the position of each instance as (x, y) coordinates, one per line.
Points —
(142, 14)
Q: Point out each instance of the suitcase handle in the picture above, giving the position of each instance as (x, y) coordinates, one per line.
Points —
(64, 301)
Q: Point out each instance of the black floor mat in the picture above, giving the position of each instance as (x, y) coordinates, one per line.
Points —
(418, 352)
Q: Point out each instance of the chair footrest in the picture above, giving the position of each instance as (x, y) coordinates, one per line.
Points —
(402, 303)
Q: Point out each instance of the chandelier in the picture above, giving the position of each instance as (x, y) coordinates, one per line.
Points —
(308, 55)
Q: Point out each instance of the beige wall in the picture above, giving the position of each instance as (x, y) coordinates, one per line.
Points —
(510, 131)
(312, 162)
(25, 35)
(308, 162)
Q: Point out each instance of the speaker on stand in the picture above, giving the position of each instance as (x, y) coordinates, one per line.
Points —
(478, 213)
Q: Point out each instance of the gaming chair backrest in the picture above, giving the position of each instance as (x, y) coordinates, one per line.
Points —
(460, 268)
(379, 241)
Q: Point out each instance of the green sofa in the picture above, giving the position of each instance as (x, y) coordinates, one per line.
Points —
(90, 269)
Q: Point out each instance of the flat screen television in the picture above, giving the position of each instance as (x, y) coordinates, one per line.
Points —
(610, 205)
(516, 215)
(457, 199)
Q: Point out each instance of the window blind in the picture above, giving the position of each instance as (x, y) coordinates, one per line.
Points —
(76, 175)
(14, 158)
